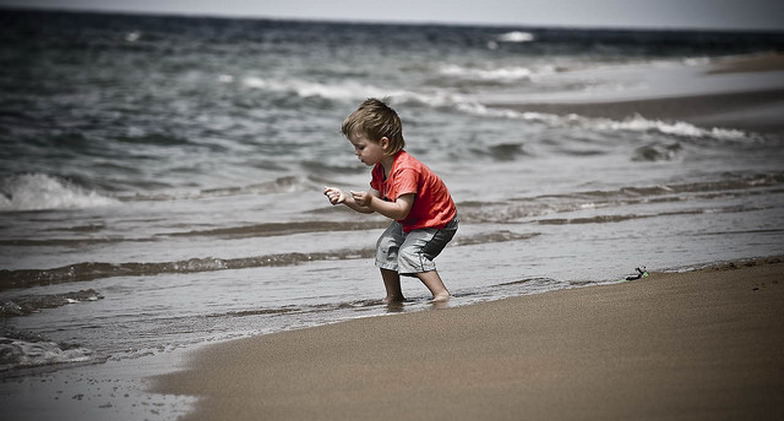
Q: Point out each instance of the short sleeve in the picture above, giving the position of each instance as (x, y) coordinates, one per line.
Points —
(405, 182)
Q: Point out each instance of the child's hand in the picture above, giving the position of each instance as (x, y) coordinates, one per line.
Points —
(334, 195)
(362, 198)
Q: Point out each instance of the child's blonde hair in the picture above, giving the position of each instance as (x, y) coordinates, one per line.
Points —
(374, 119)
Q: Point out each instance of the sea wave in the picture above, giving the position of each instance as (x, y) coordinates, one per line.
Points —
(350, 91)
(603, 219)
(730, 182)
(353, 91)
(638, 123)
(502, 74)
(516, 36)
(657, 152)
(24, 305)
(288, 184)
(87, 271)
(522, 208)
(272, 229)
(36, 191)
(20, 353)
(344, 91)
(347, 90)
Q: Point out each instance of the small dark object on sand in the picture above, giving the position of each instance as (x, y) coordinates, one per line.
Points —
(641, 273)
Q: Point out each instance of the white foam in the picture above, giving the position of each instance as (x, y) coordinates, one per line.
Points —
(677, 128)
(133, 36)
(504, 74)
(473, 107)
(18, 353)
(349, 91)
(516, 36)
(636, 123)
(342, 91)
(352, 91)
(36, 191)
(697, 61)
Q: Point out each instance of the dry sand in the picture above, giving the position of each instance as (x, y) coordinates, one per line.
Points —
(698, 345)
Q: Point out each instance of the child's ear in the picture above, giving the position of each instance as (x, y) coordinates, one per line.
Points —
(384, 142)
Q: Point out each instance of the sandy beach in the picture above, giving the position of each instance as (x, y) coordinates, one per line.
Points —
(166, 248)
(697, 345)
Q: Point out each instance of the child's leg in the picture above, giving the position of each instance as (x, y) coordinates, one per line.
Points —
(436, 286)
(387, 248)
(392, 284)
(416, 255)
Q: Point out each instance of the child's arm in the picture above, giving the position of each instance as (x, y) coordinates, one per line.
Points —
(337, 196)
(397, 210)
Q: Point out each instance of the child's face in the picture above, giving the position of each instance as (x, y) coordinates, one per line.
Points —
(368, 151)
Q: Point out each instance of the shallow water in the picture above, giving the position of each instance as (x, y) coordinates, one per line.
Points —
(175, 167)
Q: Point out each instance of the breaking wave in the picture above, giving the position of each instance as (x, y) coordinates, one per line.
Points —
(350, 91)
(24, 305)
(30, 192)
(678, 128)
(637, 123)
(354, 91)
(516, 36)
(504, 74)
(20, 353)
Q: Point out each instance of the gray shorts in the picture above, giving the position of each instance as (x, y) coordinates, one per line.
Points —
(413, 252)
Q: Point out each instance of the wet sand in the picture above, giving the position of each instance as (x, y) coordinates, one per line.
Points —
(699, 345)
(752, 63)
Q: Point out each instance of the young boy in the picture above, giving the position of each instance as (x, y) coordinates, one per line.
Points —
(404, 190)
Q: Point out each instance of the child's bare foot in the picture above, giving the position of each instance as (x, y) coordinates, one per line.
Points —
(440, 298)
(395, 299)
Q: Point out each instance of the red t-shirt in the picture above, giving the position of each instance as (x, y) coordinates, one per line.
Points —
(433, 205)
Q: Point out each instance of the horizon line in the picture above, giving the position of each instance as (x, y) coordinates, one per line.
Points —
(370, 21)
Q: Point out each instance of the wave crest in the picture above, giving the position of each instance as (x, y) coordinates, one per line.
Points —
(29, 192)
(678, 128)
(637, 123)
(352, 91)
(516, 36)
(503, 74)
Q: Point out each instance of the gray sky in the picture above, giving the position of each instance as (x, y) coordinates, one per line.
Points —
(719, 14)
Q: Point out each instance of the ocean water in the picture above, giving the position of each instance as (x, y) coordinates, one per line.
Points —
(161, 177)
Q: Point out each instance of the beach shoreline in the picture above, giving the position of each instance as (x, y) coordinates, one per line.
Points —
(693, 345)
(173, 200)
(728, 93)
(752, 111)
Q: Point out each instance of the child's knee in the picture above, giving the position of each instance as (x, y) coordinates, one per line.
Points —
(388, 247)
